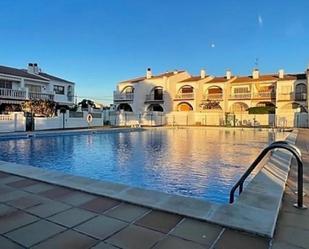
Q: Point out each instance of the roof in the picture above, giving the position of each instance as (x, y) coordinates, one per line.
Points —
(299, 76)
(23, 73)
(220, 79)
(167, 74)
(19, 72)
(51, 77)
(194, 78)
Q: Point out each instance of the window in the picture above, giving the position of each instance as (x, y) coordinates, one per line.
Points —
(241, 90)
(6, 84)
(34, 88)
(59, 89)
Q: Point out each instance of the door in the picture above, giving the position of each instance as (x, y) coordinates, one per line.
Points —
(158, 94)
(29, 121)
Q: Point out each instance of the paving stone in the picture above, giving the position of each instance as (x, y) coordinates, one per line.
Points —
(7, 244)
(127, 212)
(39, 187)
(293, 235)
(100, 204)
(5, 189)
(103, 245)
(176, 243)
(198, 231)
(13, 195)
(49, 208)
(101, 227)
(283, 245)
(135, 237)
(237, 240)
(22, 183)
(34, 233)
(66, 240)
(3, 175)
(57, 193)
(78, 198)
(293, 219)
(72, 217)
(160, 221)
(10, 179)
(25, 202)
(11, 218)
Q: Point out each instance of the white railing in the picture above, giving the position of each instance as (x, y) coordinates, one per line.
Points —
(266, 95)
(153, 97)
(184, 96)
(6, 117)
(123, 96)
(240, 96)
(213, 96)
(43, 96)
(14, 94)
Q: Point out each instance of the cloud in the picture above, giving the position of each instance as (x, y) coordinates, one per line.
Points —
(260, 20)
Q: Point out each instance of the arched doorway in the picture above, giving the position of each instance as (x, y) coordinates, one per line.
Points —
(184, 107)
(213, 93)
(157, 93)
(185, 92)
(155, 108)
(239, 107)
(125, 107)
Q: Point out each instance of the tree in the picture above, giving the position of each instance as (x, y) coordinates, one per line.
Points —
(85, 103)
(40, 107)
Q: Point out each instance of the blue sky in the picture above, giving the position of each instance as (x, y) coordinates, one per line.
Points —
(98, 43)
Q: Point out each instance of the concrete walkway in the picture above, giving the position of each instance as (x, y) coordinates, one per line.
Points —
(39, 215)
(292, 229)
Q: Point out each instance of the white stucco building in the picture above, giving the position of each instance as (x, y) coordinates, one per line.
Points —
(18, 85)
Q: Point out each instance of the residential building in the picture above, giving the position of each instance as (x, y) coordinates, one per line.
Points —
(283, 96)
(18, 85)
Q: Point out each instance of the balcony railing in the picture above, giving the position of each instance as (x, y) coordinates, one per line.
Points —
(264, 95)
(184, 96)
(300, 96)
(154, 98)
(123, 96)
(43, 96)
(213, 96)
(12, 94)
(240, 96)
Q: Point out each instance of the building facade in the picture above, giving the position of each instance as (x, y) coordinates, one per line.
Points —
(18, 85)
(282, 97)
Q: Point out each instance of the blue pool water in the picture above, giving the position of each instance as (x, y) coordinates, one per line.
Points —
(199, 163)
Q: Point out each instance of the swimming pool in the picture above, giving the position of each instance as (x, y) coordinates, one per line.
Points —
(200, 163)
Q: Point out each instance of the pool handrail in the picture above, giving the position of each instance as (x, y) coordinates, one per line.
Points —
(275, 145)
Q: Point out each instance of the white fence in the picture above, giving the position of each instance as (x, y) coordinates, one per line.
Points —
(12, 122)
(69, 120)
(133, 119)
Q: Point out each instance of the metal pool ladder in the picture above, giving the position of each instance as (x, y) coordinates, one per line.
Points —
(275, 145)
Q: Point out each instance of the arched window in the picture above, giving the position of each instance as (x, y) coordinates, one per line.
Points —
(184, 107)
(301, 92)
(128, 89)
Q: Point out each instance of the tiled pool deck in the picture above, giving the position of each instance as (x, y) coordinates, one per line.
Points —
(41, 215)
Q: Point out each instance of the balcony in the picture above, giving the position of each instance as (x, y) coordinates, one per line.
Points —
(264, 95)
(213, 96)
(123, 96)
(182, 96)
(154, 98)
(41, 96)
(240, 96)
(12, 94)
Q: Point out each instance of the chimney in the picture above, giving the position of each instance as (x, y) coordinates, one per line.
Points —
(203, 74)
(36, 68)
(255, 73)
(228, 74)
(30, 68)
(148, 73)
(175, 71)
(281, 74)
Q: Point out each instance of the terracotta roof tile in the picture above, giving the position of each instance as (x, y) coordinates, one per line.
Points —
(20, 73)
(167, 74)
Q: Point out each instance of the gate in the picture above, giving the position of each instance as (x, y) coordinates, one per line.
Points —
(29, 121)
